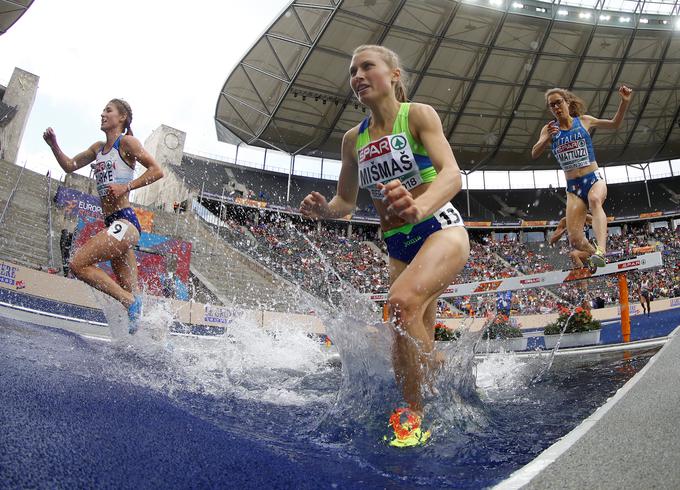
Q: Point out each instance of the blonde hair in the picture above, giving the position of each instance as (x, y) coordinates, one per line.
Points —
(392, 60)
(576, 105)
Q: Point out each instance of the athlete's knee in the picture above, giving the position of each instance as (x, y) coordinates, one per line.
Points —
(577, 240)
(595, 201)
(403, 305)
(76, 268)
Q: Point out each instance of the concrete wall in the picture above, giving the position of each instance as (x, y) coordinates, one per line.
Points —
(166, 144)
(20, 93)
(81, 183)
(74, 292)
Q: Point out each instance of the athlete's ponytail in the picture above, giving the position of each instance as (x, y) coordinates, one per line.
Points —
(124, 108)
(577, 107)
(392, 60)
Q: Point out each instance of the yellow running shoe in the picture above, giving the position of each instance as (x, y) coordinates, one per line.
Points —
(597, 259)
(407, 430)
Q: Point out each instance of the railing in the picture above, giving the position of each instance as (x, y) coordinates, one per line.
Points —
(11, 194)
(50, 235)
(205, 214)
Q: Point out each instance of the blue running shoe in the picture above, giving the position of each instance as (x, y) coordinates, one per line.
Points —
(134, 314)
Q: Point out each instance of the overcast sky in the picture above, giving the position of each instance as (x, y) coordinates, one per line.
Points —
(169, 59)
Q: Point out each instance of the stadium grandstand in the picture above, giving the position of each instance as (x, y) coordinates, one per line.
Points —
(223, 240)
(11, 11)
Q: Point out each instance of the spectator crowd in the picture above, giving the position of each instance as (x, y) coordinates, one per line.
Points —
(318, 256)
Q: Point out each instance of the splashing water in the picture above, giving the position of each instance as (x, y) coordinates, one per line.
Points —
(285, 386)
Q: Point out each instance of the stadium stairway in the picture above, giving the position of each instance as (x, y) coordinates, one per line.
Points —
(234, 278)
(25, 228)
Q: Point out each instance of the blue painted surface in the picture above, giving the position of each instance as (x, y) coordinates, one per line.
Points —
(51, 306)
(657, 324)
(84, 414)
(642, 327)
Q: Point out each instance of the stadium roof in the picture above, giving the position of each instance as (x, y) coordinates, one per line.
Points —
(10, 11)
(484, 66)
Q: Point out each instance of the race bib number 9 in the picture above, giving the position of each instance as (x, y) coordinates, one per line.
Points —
(117, 230)
(386, 159)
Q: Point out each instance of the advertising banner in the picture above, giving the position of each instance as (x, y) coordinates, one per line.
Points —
(76, 203)
(162, 262)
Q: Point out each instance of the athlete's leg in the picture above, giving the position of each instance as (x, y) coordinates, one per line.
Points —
(100, 248)
(438, 262)
(641, 297)
(576, 219)
(125, 268)
(396, 267)
(596, 198)
(430, 316)
(578, 257)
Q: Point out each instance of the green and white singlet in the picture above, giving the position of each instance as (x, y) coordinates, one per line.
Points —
(399, 156)
(394, 156)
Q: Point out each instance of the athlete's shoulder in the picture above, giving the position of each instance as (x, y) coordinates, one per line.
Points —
(97, 146)
(587, 120)
(349, 142)
(352, 134)
(419, 110)
(128, 140)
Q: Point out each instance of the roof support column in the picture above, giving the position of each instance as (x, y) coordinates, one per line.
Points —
(291, 168)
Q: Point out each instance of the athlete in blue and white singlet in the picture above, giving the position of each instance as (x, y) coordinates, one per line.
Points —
(569, 139)
(401, 156)
(113, 164)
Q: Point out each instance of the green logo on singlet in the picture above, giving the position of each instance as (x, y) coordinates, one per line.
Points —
(398, 142)
(410, 242)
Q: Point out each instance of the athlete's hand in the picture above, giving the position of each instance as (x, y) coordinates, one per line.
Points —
(400, 201)
(553, 129)
(50, 137)
(117, 190)
(625, 93)
(314, 206)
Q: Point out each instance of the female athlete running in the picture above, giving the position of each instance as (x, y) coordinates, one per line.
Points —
(569, 138)
(113, 163)
(400, 155)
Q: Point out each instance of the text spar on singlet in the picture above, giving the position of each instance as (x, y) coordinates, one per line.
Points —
(385, 159)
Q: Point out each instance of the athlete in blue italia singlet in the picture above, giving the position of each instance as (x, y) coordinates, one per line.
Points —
(401, 156)
(569, 139)
(113, 164)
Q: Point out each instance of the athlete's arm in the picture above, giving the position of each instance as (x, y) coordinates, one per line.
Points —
(547, 132)
(132, 150)
(314, 205)
(66, 163)
(592, 122)
(426, 127)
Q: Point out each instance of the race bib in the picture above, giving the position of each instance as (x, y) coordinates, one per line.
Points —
(117, 230)
(572, 154)
(448, 216)
(386, 159)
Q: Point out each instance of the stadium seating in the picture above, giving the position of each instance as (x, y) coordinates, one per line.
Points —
(25, 232)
